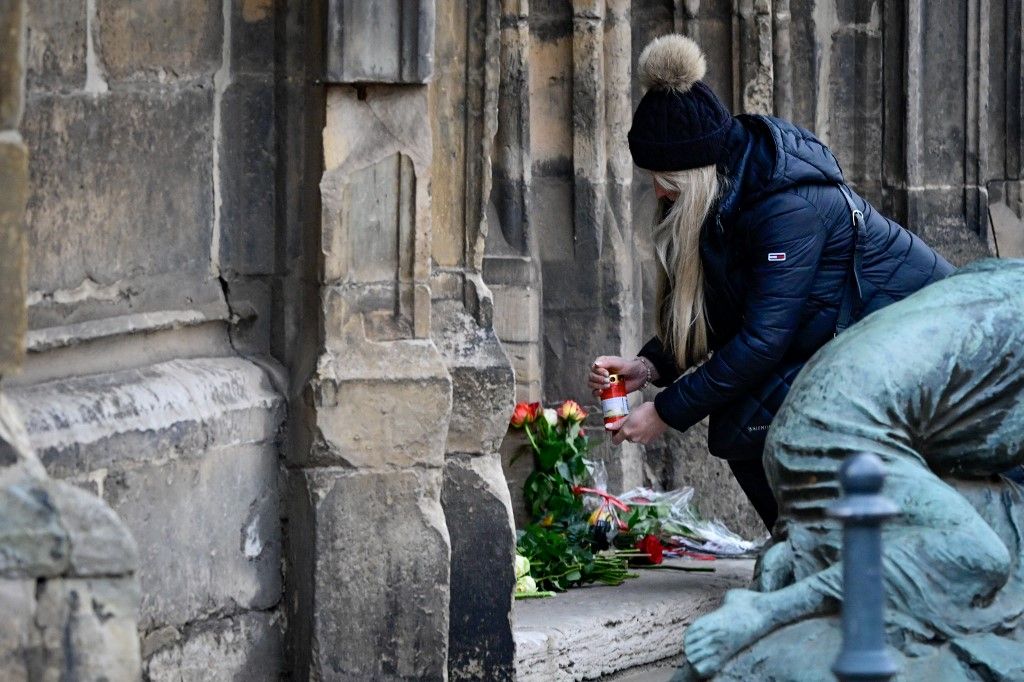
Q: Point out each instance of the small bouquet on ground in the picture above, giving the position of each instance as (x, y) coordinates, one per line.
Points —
(558, 544)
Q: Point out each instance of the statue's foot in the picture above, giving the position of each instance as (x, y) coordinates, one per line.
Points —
(715, 638)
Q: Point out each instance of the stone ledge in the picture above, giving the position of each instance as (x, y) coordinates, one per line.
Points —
(589, 633)
(178, 409)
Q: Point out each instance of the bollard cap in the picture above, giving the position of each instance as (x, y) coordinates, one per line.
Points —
(861, 477)
(862, 474)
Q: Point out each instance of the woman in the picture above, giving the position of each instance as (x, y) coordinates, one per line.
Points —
(765, 256)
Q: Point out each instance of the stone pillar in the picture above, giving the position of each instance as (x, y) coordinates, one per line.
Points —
(511, 259)
(464, 100)
(937, 133)
(368, 546)
(755, 86)
(1005, 143)
(782, 53)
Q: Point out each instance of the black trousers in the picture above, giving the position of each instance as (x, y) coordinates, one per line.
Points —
(752, 479)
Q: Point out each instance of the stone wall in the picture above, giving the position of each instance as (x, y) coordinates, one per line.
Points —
(151, 262)
(68, 592)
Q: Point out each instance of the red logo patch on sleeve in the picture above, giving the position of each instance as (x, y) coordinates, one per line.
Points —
(776, 257)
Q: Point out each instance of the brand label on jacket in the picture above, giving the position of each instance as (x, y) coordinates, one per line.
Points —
(776, 257)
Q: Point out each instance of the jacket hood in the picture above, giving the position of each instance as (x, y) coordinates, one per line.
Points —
(766, 155)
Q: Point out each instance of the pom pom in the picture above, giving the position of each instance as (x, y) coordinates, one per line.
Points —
(671, 62)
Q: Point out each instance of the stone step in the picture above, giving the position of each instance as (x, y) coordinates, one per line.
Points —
(593, 632)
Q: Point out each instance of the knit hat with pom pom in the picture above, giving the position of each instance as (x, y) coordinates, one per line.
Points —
(680, 123)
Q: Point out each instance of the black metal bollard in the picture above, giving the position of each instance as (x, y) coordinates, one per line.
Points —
(863, 509)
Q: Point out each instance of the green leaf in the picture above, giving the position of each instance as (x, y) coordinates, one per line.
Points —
(563, 470)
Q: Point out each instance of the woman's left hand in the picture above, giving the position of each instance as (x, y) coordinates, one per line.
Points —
(641, 426)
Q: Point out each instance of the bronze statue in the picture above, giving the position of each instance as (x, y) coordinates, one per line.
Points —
(933, 385)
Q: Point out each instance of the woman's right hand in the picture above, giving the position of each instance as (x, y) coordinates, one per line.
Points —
(633, 372)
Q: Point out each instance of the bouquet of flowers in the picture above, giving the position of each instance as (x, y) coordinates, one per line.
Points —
(582, 534)
(559, 545)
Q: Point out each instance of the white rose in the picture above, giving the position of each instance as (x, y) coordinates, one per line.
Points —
(551, 416)
(522, 566)
(526, 584)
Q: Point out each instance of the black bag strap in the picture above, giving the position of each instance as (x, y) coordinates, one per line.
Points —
(853, 294)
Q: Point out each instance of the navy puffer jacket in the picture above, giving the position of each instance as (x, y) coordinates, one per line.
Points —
(776, 260)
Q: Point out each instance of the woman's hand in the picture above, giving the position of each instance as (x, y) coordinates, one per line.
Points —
(641, 426)
(633, 372)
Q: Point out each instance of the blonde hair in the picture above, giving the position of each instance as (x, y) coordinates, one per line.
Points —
(682, 314)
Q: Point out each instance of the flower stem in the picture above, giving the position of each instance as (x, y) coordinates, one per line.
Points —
(526, 427)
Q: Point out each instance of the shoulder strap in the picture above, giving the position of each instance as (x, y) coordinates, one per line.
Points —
(853, 293)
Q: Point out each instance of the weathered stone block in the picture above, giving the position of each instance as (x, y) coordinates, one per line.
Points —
(245, 647)
(377, 404)
(143, 40)
(374, 576)
(87, 630)
(373, 238)
(120, 185)
(247, 182)
(482, 380)
(938, 215)
(56, 44)
(525, 359)
(14, 180)
(479, 516)
(161, 444)
(17, 628)
(398, 422)
(203, 551)
(252, 36)
(943, 92)
(516, 313)
(12, 64)
(389, 41)
(854, 125)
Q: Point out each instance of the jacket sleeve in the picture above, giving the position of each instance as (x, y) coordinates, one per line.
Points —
(663, 360)
(783, 252)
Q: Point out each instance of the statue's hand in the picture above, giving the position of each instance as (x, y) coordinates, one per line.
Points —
(715, 638)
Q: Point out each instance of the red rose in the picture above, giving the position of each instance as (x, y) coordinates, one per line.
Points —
(520, 415)
(651, 545)
(536, 411)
